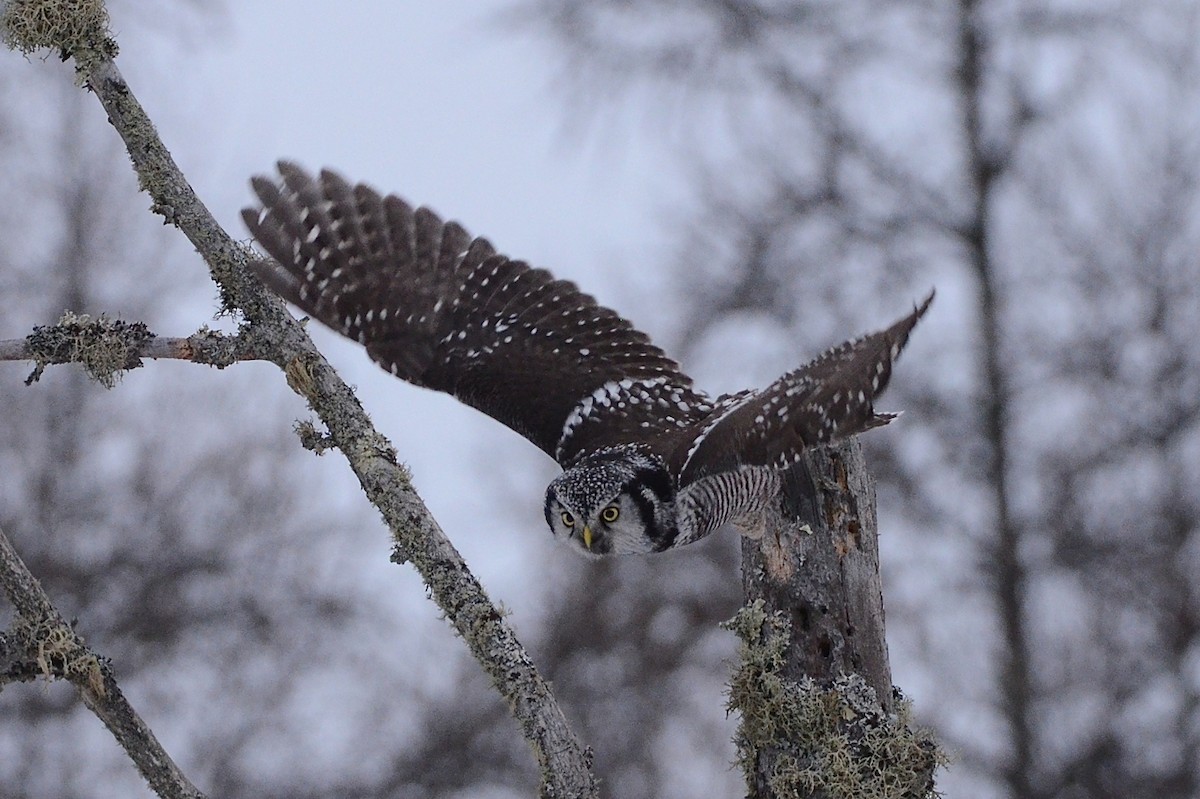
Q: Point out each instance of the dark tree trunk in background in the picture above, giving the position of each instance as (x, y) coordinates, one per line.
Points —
(1006, 570)
(815, 686)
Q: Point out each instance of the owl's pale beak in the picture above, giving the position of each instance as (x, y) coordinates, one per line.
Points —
(587, 537)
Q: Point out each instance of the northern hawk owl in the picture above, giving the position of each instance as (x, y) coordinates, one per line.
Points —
(649, 462)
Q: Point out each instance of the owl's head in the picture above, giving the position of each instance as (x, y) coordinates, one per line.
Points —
(616, 501)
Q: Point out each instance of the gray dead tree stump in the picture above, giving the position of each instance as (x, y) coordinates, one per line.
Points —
(819, 715)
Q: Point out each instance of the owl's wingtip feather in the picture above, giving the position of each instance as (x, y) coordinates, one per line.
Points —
(881, 419)
(924, 306)
(286, 166)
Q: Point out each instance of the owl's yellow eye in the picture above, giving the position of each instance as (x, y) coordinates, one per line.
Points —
(568, 519)
(610, 513)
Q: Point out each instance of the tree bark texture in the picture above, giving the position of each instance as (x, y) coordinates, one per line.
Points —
(819, 717)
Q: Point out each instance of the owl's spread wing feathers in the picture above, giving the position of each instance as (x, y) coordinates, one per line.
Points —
(821, 402)
(445, 311)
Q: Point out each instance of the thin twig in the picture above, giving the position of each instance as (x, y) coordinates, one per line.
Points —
(57, 650)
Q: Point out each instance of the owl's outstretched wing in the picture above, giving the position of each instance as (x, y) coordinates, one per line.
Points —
(443, 310)
(821, 402)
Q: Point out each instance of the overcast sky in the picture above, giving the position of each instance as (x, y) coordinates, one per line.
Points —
(435, 101)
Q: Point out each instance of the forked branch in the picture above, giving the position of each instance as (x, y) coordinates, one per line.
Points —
(41, 642)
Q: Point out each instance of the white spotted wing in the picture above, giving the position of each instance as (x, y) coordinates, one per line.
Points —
(443, 310)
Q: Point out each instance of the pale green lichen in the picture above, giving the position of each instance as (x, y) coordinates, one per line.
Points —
(75, 28)
(106, 348)
(833, 741)
(60, 654)
(312, 439)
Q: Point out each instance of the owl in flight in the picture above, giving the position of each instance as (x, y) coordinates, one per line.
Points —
(649, 462)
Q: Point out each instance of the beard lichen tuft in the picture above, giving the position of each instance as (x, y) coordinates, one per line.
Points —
(75, 28)
(106, 348)
(58, 653)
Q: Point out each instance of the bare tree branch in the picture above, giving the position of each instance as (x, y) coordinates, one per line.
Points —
(565, 764)
(43, 639)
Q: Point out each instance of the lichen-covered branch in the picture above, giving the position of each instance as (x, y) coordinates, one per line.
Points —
(107, 348)
(42, 642)
(564, 762)
(814, 687)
